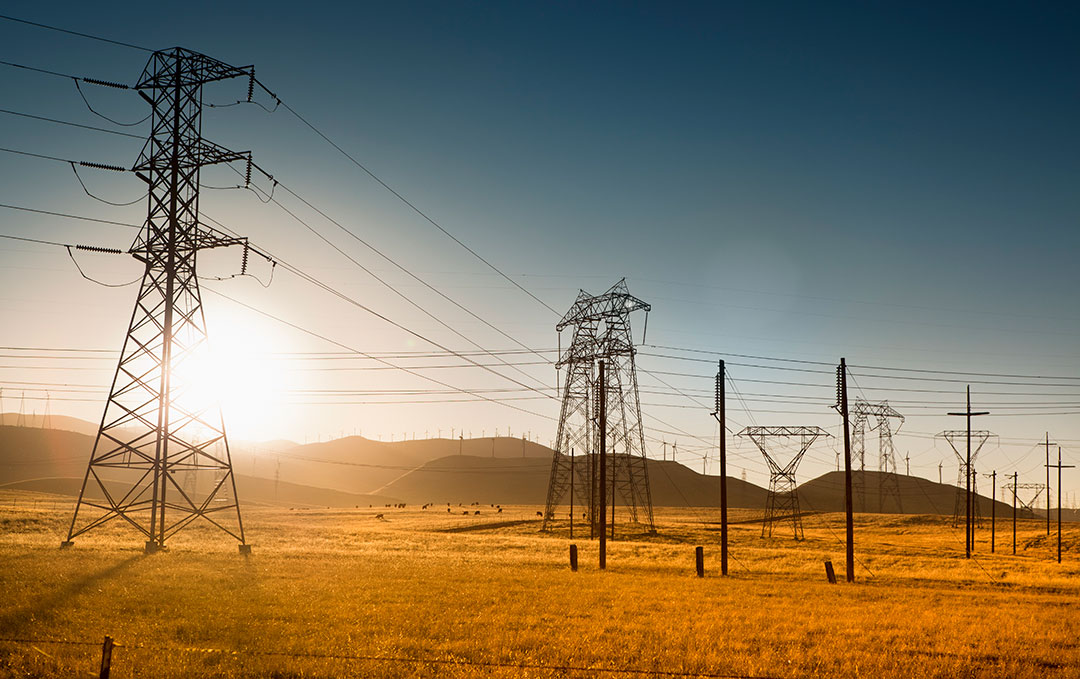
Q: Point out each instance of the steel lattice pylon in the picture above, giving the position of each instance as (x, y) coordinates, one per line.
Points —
(1027, 509)
(601, 332)
(979, 437)
(783, 501)
(161, 457)
(888, 485)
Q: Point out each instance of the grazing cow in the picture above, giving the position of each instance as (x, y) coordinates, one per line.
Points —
(380, 517)
(540, 514)
(447, 510)
(465, 513)
(477, 512)
(500, 510)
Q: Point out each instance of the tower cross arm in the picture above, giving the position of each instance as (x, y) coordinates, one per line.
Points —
(617, 301)
(198, 69)
(199, 153)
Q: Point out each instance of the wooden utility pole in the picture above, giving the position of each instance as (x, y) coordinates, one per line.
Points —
(1048, 444)
(842, 403)
(1059, 467)
(993, 511)
(721, 418)
(969, 532)
(572, 494)
(1015, 477)
(601, 388)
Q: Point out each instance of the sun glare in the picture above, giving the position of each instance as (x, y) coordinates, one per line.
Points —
(237, 373)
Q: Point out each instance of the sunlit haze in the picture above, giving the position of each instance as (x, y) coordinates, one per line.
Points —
(785, 186)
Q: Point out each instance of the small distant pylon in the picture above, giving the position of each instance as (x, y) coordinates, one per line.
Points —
(783, 500)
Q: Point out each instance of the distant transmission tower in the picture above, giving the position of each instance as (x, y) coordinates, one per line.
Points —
(601, 332)
(1027, 509)
(888, 485)
(957, 441)
(161, 429)
(783, 501)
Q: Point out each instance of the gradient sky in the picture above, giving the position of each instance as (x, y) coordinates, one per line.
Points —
(888, 183)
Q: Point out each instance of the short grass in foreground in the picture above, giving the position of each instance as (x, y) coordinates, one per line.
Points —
(415, 588)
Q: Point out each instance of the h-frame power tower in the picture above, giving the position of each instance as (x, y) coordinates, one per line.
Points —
(783, 501)
(161, 457)
(601, 332)
(888, 485)
(1027, 509)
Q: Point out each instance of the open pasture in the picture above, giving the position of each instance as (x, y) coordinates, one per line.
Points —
(434, 593)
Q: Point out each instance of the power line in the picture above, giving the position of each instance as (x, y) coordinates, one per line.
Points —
(406, 201)
(337, 293)
(71, 124)
(392, 261)
(391, 287)
(390, 365)
(76, 33)
(69, 216)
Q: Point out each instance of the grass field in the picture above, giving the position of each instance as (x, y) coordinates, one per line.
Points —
(427, 593)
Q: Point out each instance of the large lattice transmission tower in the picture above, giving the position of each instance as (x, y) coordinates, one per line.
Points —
(161, 457)
(782, 503)
(601, 332)
(863, 412)
(957, 439)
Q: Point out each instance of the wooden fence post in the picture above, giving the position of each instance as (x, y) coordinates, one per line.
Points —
(573, 558)
(106, 657)
(830, 573)
(699, 559)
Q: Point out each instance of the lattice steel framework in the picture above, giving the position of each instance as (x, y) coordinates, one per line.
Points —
(1027, 509)
(601, 332)
(783, 501)
(161, 458)
(958, 437)
(888, 485)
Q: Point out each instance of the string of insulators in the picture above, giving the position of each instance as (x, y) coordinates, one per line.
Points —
(106, 83)
(839, 387)
(596, 398)
(95, 248)
(102, 166)
(251, 85)
(244, 259)
(247, 173)
(719, 386)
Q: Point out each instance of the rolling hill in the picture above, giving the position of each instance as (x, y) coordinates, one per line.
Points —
(356, 471)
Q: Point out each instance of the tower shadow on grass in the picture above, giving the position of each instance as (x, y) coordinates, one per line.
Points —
(47, 607)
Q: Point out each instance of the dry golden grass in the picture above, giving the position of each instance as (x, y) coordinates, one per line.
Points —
(342, 583)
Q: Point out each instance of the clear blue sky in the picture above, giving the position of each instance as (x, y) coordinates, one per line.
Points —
(890, 183)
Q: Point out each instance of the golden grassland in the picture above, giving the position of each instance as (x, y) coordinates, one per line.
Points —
(426, 593)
